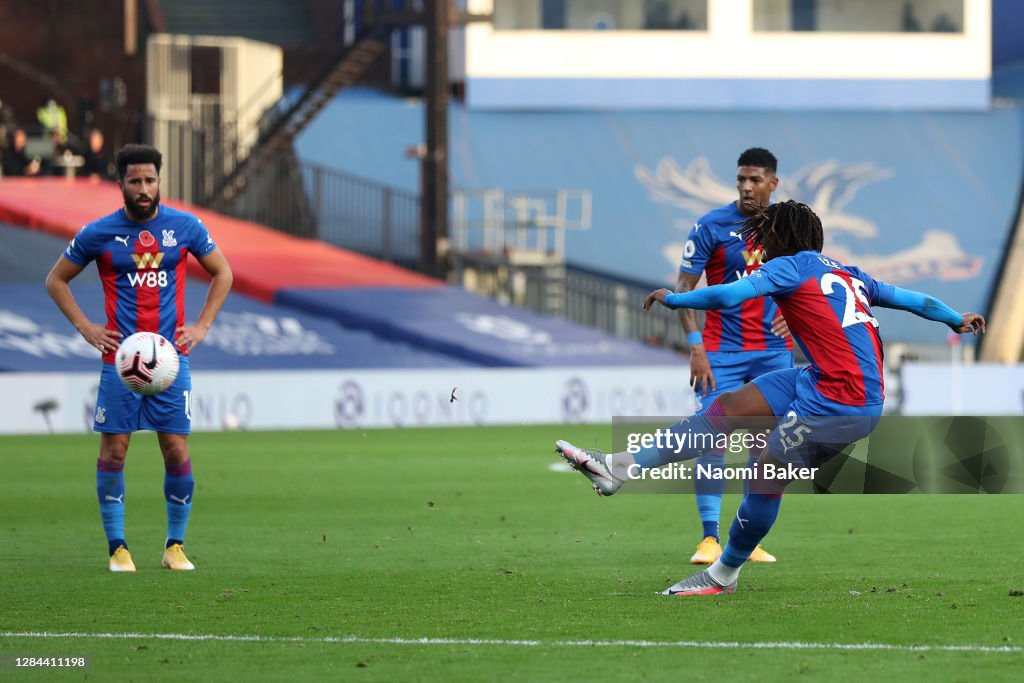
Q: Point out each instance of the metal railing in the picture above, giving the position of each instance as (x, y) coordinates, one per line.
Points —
(302, 199)
(614, 304)
(364, 216)
(588, 297)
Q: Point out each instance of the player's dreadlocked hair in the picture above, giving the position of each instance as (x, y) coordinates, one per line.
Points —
(790, 224)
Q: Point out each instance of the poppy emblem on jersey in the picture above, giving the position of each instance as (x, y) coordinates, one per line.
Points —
(169, 240)
(146, 238)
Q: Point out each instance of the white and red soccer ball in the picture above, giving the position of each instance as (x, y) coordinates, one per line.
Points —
(147, 363)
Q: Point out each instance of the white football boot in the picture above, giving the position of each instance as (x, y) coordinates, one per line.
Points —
(591, 464)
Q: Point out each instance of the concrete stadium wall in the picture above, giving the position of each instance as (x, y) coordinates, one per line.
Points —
(730, 65)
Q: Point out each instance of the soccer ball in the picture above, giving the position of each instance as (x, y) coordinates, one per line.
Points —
(147, 363)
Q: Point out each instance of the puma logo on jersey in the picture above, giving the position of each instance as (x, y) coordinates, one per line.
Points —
(122, 240)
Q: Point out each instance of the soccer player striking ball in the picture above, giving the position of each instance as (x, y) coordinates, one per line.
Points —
(831, 403)
(740, 342)
(141, 253)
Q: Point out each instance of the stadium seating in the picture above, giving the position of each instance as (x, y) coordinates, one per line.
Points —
(471, 328)
(331, 308)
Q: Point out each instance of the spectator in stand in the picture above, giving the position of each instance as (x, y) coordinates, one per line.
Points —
(15, 160)
(97, 165)
(54, 120)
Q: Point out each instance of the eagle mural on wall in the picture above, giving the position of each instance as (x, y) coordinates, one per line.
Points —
(827, 187)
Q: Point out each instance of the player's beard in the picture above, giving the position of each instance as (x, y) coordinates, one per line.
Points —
(140, 213)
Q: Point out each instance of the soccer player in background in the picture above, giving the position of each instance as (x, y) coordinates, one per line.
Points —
(740, 342)
(831, 403)
(141, 252)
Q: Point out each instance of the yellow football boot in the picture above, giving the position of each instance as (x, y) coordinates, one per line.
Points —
(174, 558)
(761, 555)
(708, 551)
(121, 560)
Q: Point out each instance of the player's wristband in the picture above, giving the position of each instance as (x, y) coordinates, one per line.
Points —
(694, 338)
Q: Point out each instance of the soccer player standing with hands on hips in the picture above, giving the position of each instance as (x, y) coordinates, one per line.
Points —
(740, 342)
(820, 409)
(141, 252)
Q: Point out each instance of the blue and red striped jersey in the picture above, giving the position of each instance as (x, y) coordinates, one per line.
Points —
(142, 267)
(715, 248)
(828, 309)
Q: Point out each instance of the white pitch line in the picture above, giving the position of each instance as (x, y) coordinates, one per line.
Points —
(725, 645)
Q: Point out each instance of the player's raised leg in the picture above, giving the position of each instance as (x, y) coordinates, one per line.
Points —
(694, 436)
(110, 491)
(608, 471)
(179, 485)
(697, 434)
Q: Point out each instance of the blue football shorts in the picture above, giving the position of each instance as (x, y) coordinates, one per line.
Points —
(733, 369)
(119, 410)
(811, 428)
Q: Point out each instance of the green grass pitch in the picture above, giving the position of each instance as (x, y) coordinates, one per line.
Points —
(466, 534)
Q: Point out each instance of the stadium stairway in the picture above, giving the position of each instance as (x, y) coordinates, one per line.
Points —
(296, 303)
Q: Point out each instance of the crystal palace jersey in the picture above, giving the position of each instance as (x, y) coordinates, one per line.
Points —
(828, 309)
(142, 267)
(715, 248)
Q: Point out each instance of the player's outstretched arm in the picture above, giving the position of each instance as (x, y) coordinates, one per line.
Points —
(717, 296)
(929, 308)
